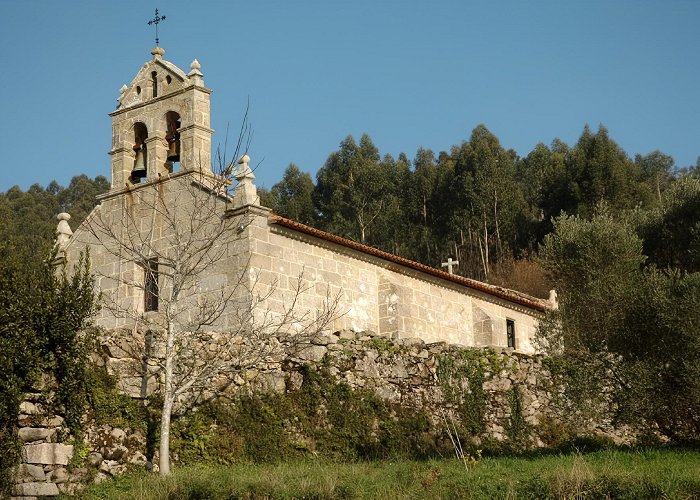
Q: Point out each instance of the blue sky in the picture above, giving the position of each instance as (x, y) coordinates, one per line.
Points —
(408, 73)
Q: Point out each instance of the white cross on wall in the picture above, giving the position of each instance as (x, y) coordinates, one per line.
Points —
(450, 264)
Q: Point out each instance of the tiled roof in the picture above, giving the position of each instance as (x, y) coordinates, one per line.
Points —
(497, 291)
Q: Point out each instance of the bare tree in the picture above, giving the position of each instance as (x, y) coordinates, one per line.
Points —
(181, 274)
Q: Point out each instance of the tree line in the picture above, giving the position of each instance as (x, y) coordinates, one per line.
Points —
(479, 203)
(28, 218)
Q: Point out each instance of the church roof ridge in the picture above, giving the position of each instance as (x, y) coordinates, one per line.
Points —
(514, 296)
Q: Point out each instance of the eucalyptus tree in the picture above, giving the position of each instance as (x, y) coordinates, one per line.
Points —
(292, 197)
(484, 204)
(420, 212)
(542, 174)
(598, 170)
(351, 192)
(656, 171)
(389, 230)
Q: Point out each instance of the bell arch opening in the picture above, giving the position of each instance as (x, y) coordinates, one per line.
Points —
(138, 173)
(172, 136)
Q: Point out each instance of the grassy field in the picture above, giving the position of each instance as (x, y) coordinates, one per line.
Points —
(603, 474)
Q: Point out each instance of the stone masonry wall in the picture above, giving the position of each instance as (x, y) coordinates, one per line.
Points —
(380, 296)
(426, 377)
(44, 459)
(407, 372)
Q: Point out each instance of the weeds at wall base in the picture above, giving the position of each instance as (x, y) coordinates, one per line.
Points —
(609, 474)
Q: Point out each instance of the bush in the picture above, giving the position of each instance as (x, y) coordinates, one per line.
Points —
(43, 320)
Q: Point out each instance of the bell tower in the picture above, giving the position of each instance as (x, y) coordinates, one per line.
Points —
(161, 124)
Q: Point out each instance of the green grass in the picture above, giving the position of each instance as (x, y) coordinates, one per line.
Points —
(659, 473)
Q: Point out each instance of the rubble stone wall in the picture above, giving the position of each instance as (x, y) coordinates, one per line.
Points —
(410, 373)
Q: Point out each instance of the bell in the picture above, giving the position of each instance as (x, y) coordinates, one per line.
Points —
(139, 171)
(173, 146)
(174, 150)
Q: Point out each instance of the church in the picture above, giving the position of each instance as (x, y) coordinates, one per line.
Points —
(179, 240)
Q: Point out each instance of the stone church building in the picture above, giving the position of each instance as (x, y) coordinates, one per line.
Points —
(174, 240)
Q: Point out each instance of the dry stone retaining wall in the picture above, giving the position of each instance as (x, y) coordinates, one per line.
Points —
(434, 379)
(412, 374)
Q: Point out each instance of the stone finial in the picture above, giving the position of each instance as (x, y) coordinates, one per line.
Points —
(157, 52)
(63, 231)
(194, 74)
(554, 303)
(244, 171)
(245, 193)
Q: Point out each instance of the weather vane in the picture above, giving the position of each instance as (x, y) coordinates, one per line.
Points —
(156, 20)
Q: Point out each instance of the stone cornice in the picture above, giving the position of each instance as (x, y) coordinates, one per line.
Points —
(160, 98)
(197, 127)
(131, 188)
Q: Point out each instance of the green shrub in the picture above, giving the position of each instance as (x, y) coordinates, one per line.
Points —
(43, 320)
(109, 406)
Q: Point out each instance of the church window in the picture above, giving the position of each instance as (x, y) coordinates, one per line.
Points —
(168, 79)
(154, 82)
(151, 285)
(510, 332)
(138, 89)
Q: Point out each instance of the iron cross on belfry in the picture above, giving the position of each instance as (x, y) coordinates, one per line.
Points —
(156, 20)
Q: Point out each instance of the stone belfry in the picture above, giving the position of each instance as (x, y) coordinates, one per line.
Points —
(161, 124)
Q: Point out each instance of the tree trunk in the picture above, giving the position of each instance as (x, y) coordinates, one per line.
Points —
(485, 251)
(168, 398)
(499, 243)
(164, 459)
